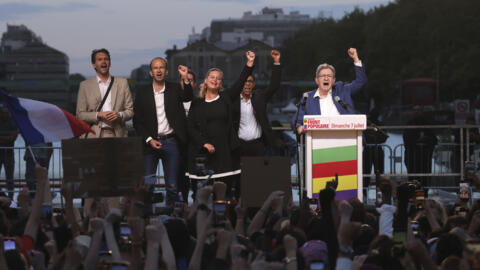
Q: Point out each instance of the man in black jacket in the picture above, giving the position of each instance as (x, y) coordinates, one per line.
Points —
(250, 112)
(160, 120)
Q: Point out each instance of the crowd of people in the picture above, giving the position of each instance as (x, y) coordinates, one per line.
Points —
(403, 231)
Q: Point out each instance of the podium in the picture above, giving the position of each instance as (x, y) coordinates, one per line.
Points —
(334, 146)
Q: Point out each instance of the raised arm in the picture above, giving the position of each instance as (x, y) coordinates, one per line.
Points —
(360, 75)
(262, 214)
(276, 76)
(96, 224)
(33, 222)
(236, 88)
(185, 85)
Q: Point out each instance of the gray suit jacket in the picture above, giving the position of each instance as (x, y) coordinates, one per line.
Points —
(89, 99)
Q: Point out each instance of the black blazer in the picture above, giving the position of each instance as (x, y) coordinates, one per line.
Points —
(145, 117)
(260, 98)
(197, 122)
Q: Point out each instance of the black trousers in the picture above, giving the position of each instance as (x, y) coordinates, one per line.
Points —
(253, 148)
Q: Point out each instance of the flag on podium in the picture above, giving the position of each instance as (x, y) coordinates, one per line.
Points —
(41, 122)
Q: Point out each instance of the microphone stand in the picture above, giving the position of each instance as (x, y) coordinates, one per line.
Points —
(298, 137)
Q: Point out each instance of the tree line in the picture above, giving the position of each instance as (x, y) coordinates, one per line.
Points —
(405, 39)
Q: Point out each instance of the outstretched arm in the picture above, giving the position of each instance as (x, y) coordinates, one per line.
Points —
(276, 77)
(360, 75)
(185, 85)
(236, 88)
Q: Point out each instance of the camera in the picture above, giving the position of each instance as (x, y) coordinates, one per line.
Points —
(420, 199)
(201, 165)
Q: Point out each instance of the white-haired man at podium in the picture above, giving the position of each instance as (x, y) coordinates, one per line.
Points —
(331, 97)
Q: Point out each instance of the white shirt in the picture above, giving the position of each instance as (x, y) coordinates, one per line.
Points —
(163, 127)
(249, 128)
(327, 107)
(385, 224)
(107, 106)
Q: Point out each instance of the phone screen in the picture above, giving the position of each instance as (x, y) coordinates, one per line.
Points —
(119, 267)
(219, 209)
(46, 210)
(316, 265)
(125, 230)
(8, 244)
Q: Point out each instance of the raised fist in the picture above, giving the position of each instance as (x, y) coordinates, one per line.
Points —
(183, 71)
(250, 58)
(275, 56)
(352, 52)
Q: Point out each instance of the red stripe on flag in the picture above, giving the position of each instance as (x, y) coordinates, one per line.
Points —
(330, 168)
(78, 126)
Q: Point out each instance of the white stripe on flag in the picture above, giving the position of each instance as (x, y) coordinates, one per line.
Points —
(48, 119)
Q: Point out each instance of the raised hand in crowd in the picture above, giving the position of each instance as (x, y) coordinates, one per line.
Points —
(240, 212)
(224, 239)
(418, 250)
(114, 216)
(219, 189)
(37, 259)
(290, 244)
(274, 198)
(97, 229)
(157, 238)
(205, 231)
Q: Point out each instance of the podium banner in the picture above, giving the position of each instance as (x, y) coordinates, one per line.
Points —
(334, 146)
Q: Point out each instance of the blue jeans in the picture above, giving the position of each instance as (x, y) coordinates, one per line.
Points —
(169, 153)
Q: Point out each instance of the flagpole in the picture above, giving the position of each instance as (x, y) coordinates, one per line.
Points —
(31, 152)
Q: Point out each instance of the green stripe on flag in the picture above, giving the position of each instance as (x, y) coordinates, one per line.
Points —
(334, 154)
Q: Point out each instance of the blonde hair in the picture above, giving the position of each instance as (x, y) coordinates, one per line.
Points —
(203, 86)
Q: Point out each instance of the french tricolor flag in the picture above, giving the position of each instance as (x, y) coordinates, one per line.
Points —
(40, 122)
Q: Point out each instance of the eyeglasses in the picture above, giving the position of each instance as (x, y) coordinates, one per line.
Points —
(250, 81)
(326, 76)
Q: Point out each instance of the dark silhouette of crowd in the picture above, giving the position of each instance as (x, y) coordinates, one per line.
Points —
(403, 231)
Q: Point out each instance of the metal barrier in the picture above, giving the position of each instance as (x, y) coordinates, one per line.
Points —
(445, 157)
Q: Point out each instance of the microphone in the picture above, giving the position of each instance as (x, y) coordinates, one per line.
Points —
(304, 100)
(344, 106)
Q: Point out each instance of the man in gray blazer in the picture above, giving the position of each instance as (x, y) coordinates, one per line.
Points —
(118, 107)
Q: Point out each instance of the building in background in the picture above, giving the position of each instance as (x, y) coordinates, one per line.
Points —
(270, 26)
(32, 69)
